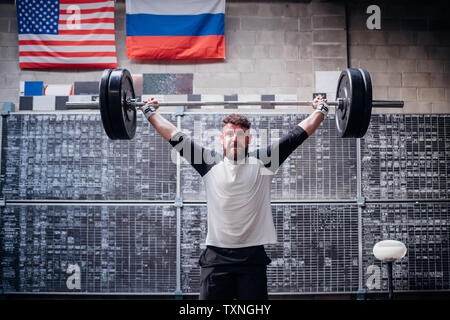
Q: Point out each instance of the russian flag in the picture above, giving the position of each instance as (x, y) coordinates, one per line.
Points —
(175, 29)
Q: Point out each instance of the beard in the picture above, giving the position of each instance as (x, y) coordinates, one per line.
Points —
(235, 152)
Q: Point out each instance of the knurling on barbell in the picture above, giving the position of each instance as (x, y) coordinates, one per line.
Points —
(353, 106)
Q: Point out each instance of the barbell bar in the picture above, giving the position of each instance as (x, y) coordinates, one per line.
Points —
(118, 105)
(375, 103)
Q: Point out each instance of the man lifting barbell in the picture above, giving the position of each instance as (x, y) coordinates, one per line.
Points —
(238, 183)
(240, 223)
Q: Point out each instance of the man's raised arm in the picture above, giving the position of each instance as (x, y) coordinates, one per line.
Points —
(200, 158)
(311, 123)
(274, 156)
(163, 126)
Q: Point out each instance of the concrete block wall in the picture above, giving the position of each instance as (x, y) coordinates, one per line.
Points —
(283, 47)
(409, 56)
(9, 64)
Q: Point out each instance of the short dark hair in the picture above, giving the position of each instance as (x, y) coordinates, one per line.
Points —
(237, 120)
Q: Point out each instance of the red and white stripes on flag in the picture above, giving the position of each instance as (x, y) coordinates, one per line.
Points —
(66, 34)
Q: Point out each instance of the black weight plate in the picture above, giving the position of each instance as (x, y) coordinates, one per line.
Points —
(367, 112)
(103, 101)
(119, 90)
(351, 89)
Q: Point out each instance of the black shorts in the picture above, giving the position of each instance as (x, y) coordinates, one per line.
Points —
(238, 273)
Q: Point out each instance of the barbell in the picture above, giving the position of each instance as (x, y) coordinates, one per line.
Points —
(118, 103)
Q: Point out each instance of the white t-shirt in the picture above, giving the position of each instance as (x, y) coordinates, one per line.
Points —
(238, 194)
(238, 198)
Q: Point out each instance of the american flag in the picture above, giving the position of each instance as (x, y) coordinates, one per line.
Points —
(66, 34)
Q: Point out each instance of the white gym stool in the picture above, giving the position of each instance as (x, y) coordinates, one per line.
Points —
(389, 251)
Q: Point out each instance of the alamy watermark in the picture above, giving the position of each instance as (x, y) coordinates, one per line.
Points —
(374, 20)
